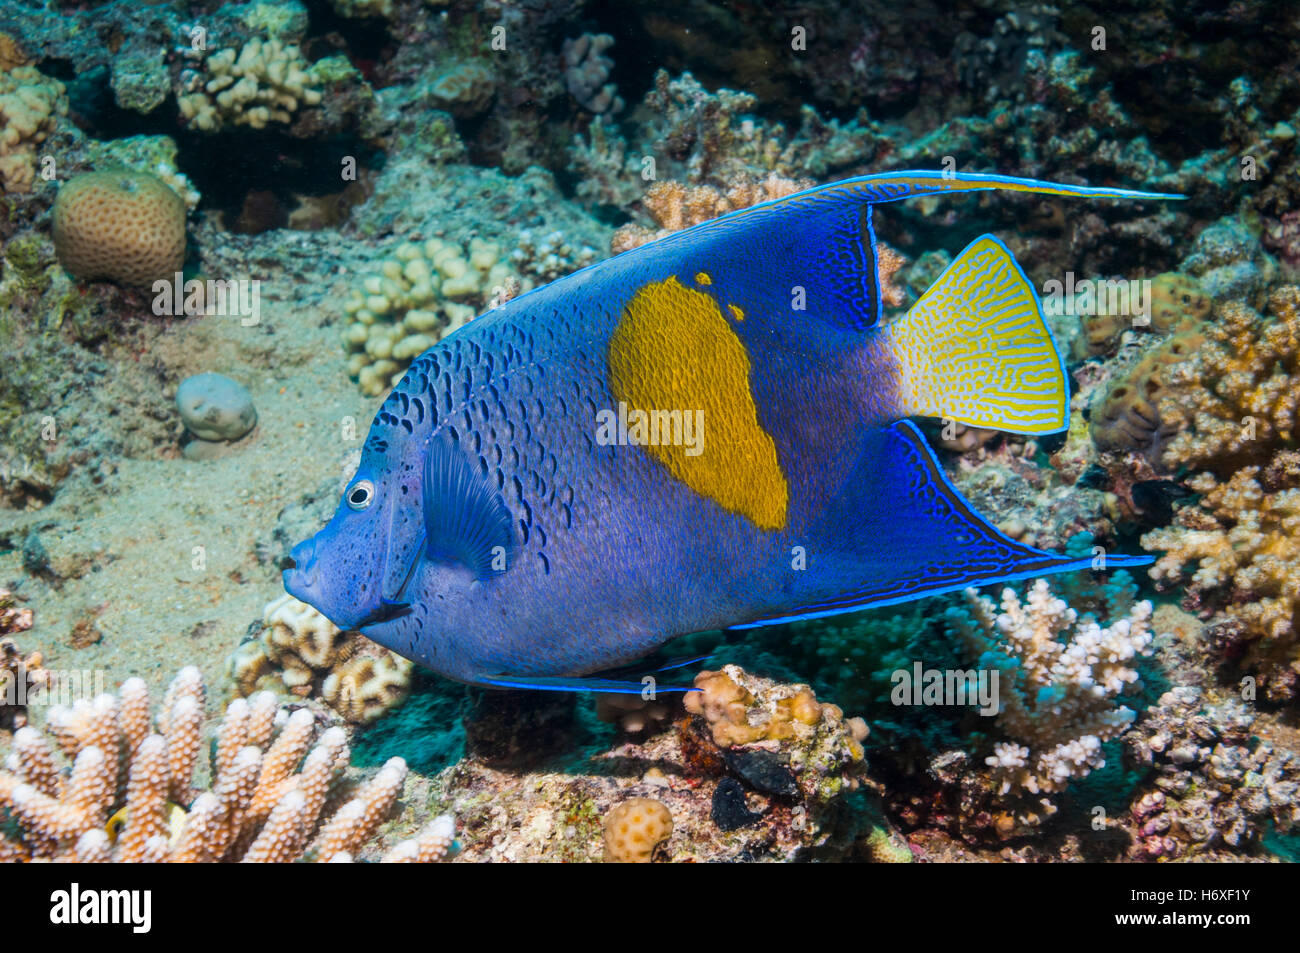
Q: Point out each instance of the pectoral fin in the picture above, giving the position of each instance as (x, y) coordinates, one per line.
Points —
(466, 520)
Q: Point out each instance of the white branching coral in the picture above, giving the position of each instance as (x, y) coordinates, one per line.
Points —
(1056, 696)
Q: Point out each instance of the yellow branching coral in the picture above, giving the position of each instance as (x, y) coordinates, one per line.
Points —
(30, 105)
(269, 800)
(1056, 696)
(1241, 548)
(263, 82)
(1235, 398)
(301, 652)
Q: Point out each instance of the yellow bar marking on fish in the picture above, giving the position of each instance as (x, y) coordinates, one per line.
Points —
(736, 312)
(701, 278)
(673, 350)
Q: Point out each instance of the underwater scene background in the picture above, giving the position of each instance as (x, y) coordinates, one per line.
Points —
(228, 229)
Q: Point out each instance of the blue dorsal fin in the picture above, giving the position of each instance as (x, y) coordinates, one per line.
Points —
(811, 256)
(465, 518)
(900, 531)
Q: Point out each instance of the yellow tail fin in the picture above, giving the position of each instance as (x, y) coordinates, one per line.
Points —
(975, 348)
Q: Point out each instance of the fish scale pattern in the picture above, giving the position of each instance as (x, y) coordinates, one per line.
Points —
(517, 407)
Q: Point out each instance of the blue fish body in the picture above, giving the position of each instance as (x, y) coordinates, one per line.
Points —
(705, 432)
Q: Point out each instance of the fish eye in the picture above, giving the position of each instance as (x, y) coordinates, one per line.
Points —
(361, 495)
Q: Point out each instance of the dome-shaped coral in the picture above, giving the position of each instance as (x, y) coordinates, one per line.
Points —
(124, 226)
(634, 829)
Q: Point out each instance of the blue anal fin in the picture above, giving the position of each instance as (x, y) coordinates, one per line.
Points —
(546, 683)
(900, 531)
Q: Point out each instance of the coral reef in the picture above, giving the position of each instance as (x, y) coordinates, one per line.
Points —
(124, 226)
(674, 206)
(464, 90)
(1128, 415)
(270, 799)
(155, 155)
(30, 105)
(1238, 553)
(586, 73)
(1175, 299)
(632, 713)
(818, 743)
(1056, 702)
(21, 676)
(297, 651)
(1234, 399)
(1217, 785)
(389, 170)
(260, 83)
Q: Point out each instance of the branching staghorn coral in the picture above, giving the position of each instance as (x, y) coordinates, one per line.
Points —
(269, 801)
(1241, 548)
(1056, 697)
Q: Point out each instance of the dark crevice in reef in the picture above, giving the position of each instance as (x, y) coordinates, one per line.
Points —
(366, 42)
(260, 179)
(263, 176)
(634, 63)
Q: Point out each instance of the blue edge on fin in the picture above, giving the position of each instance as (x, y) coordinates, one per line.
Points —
(609, 686)
(1066, 565)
